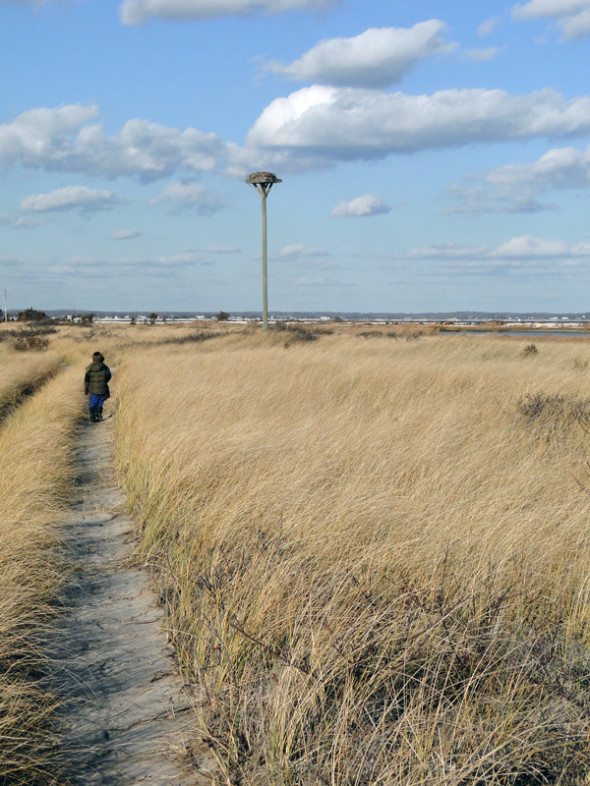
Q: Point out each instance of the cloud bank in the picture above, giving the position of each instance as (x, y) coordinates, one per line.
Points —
(64, 139)
(522, 256)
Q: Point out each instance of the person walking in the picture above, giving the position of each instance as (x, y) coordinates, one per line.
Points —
(96, 385)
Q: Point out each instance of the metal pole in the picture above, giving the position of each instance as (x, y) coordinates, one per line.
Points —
(263, 194)
(5, 307)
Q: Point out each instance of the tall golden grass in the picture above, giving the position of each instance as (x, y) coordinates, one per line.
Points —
(35, 472)
(23, 372)
(375, 554)
(37, 444)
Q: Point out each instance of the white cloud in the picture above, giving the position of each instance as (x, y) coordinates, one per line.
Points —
(520, 256)
(536, 9)
(71, 198)
(221, 249)
(330, 124)
(10, 262)
(62, 139)
(576, 26)
(487, 28)
(445, 251)
(96, 266)
(361, 207)
(135, 12)
(558, 168)
(189, 196)
(300, 251)
(23, 2)
(482, 55)
(573, 15)
(23, 222)
(376, 58)
(125, 234)
(514, 188)
(527, 247)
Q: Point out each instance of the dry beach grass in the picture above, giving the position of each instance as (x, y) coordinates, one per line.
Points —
(22, 374)
(375, 554)
(35, 444)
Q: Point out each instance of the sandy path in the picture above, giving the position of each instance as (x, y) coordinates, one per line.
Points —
(127, 715)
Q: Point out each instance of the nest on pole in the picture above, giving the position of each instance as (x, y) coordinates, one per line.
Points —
(262, 182)
(263, 178)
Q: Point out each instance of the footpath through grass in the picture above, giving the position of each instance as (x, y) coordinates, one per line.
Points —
(375, 555)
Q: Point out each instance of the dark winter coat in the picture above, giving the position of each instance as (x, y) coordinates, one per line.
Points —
(96, 378)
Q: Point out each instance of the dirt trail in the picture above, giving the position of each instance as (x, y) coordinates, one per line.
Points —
(127, 717)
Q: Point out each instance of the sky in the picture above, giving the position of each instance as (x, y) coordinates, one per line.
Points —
(434, 155)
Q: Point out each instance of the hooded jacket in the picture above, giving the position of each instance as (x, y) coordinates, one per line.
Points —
(96, 378)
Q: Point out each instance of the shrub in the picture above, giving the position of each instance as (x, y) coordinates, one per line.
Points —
(31, 343)
(31, 315)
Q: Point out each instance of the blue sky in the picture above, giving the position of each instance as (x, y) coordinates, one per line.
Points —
(435, 155)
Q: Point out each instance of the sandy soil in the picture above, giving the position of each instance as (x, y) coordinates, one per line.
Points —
(127, 716)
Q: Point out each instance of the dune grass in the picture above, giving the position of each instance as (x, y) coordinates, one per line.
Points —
(23, 373)
(374, 554)
(35, 473)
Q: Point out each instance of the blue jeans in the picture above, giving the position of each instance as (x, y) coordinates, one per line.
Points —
(95, 404)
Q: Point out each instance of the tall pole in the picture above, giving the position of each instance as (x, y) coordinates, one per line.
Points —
(5, 307)
(263, 182)
(263, 194)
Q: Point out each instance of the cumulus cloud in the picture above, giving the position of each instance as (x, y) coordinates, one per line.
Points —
(88, 200)
(361, 207)
(515, 187)
(125, 234)
(558, 168)
(573, 16)
(376, 58)
(189, 196)
(327, 124)
(136, 12)
(64, 140)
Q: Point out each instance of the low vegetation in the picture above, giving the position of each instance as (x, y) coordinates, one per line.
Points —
(22, 374)
(35, 448)
(374, 555)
